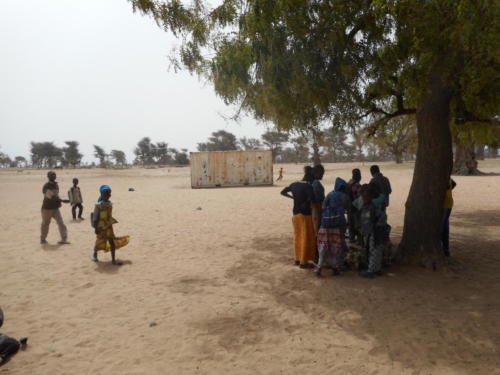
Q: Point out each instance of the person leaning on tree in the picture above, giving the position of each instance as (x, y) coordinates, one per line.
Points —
(50, 210)
(445, 222)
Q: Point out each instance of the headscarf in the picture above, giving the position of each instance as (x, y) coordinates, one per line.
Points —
(102, 189)
(339, 184)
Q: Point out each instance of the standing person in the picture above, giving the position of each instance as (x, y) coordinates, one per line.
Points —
(373, 229)
(319, 195)
(353, 189)
(304, 235)
(50, 210)
(331, 240)
(76, 200)
(445, 223)
(102, 221)
(382, 183)
(280, 175)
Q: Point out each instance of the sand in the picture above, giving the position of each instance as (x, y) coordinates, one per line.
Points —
(213, 291)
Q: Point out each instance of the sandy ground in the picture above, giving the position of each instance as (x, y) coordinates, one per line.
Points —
(213, 291)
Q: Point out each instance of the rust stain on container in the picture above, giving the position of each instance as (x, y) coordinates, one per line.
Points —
(231, 168)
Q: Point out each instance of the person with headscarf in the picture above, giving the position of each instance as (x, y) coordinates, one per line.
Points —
(353, 190)
(318, 172)
(50, 210)
(103, 221)
(304, 235)
(331, 241)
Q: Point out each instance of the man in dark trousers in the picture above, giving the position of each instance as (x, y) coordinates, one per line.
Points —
(50, 210)
(382, 184)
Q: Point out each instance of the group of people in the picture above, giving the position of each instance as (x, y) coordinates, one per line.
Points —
(320, 224)
(101, 219)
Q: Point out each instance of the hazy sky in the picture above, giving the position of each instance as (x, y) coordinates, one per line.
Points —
(95, 72)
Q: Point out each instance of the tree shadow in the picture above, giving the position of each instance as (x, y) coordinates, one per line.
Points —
(108, 267)
(414, 316)
(479, 218)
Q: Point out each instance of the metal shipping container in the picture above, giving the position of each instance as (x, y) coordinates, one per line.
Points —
(231, 168)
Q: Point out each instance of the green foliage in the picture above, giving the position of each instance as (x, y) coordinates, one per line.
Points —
(250, 143)
(71, 155)
(101, 155)
(220, 140)
(45, 154)
(144, 152)
(274, 141)
(299, 63)
(398, 136)
(119, 157)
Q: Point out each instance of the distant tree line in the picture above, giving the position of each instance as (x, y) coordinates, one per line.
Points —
(394, 139)
(49, 155)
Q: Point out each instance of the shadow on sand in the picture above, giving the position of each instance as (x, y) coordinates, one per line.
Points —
(416, 317)
(108, 267)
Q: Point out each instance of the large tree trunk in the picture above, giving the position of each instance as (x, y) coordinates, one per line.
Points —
(464, 163)
(424, 207)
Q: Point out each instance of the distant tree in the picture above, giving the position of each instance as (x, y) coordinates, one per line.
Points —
(180, 157)
(300, 146)
(101, 155)
(119, 157)
(20, 162)
(71, 154)
(45, 154)
(274, 140)
(161, 154)
(220, 140)
(398, 136)
(358, 142)
(250, 143)
(493, 149)
(336, 147)
(465, 138)
(5, 160)
(144, 152)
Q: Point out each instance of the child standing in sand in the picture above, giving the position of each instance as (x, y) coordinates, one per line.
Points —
(76, 200)
(102, 221)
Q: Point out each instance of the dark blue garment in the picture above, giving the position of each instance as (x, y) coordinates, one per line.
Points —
(303, 196)
(333, 211)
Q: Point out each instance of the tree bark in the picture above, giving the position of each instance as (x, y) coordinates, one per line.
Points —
(421, 241)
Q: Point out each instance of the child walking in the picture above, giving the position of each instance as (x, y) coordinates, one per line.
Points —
(102, 221)
(76, 200)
